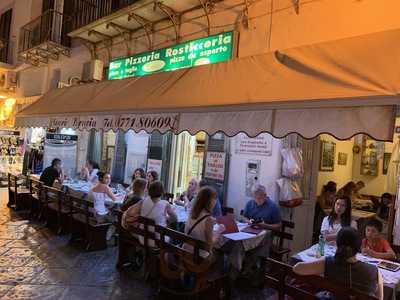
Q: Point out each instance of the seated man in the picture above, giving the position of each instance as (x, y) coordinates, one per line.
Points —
(374, 245)
(53, 173)
(262, 210)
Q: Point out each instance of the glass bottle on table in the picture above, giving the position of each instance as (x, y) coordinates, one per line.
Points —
(321, 245)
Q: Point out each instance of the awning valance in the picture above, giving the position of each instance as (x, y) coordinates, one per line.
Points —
(344, 87)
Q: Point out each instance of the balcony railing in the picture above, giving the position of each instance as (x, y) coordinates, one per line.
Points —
(4, 47)
(88, 11)
(52, 26)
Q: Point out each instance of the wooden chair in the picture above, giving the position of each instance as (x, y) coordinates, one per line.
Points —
(176, 261)
(35, 195)
(83, 224)
(227, 210)
(56, 209)
(278, 249)
(148, 243)
(281, 278)
(128, 244)
(18, 194)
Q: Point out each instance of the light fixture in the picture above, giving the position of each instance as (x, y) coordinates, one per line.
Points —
(3, 97)
(10, 102)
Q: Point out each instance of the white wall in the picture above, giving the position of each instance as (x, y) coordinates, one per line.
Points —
(270, 171)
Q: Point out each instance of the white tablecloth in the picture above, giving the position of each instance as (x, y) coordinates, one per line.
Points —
(181, 213)
(390, 279)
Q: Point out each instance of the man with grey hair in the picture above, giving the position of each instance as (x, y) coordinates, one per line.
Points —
(262, 210)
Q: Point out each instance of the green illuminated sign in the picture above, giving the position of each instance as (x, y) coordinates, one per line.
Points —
(209, 50)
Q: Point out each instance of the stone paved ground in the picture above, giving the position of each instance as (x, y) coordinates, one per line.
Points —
(36, 264)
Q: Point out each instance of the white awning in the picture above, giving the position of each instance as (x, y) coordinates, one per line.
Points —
(342, 88)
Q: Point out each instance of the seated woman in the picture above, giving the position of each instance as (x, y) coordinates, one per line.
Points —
(89, 172)
(151, 177)
(138, 173)
(328, 195)
(344, 268)
(374, 245)
(135, 194)
(151, 207)
(186, 198)
(200, 223)
(98, 194)
(217, 210)
(339, 217)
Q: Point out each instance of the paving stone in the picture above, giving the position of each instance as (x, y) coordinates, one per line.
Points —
(35, 292)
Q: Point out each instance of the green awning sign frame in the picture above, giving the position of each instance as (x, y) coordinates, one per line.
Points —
(210, 50)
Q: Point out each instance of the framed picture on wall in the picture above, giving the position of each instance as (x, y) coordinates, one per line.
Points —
(386, 161)
(327, 162)
(342, 159)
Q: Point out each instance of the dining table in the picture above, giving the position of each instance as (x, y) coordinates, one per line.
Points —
(391, 280)
(237, 244)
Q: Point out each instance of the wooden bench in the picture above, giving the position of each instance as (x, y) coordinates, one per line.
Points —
(56, 209)
(278, 249)
(18, 194)
(35, 195)
(83, 224)
(281, 278)
(206, 281)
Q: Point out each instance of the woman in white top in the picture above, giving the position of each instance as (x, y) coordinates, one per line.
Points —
(99, 194)
(90, 171)
(154, 208)
(200, 223)
(339, 217)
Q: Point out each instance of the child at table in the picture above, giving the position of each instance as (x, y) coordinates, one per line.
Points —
(374, 245)
(344, 269)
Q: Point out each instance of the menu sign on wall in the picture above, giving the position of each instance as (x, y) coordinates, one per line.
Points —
(215, 166)
(209, 50)
(260, 145)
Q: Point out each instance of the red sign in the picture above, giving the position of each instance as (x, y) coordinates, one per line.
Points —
(215, 166)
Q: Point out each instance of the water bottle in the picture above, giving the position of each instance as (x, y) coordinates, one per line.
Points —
(321, 245)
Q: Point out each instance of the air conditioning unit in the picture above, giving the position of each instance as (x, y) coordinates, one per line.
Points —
(8, 80)
(93, 70)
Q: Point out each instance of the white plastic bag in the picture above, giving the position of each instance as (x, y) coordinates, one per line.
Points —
(292, 165)
(290, 194)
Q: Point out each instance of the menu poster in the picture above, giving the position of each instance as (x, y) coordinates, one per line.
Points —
(66, 152)
(215, 166)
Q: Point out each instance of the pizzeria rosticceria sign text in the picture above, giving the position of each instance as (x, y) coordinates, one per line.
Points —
(209, 50)
(162, 122)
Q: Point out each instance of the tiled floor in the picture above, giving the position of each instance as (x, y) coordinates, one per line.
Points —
(36, 264)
